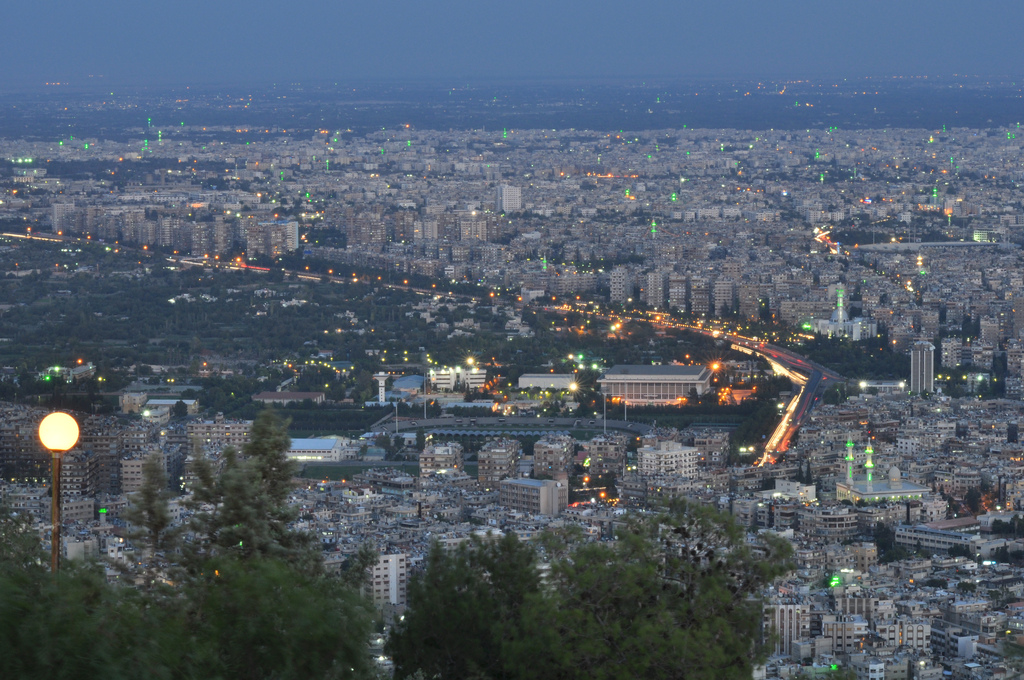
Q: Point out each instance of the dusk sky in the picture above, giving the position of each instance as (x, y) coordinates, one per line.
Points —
(264, 41)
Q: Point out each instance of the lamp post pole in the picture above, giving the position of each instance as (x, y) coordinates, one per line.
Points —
(58, 432)
(55, 461)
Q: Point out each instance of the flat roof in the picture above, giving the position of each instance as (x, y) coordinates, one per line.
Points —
(669, 371)
(313, 444)
(538, 483)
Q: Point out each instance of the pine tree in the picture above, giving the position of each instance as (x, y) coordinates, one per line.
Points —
(247, 514)
(151, 519)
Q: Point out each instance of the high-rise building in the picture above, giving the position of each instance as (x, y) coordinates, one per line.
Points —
(677, 289)
(656, 288)
(700, 296)
(65, 216)
(621, 285)
(510, 199)
(922, 367)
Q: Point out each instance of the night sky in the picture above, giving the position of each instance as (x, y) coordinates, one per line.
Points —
(270, 41)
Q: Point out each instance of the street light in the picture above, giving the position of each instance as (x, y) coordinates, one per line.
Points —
(58, 432)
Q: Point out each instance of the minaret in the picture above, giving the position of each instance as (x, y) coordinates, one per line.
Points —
(869, 465)
(849, 463)
(841, 316)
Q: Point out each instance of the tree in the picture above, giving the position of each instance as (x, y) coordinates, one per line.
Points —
(250, 515)
(482, 587)
(973, 500)
(421, 439)
(179, 410)
(678, 595)
(151, 519)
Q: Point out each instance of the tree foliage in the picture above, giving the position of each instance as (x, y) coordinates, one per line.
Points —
(677, 595)
(250, 604)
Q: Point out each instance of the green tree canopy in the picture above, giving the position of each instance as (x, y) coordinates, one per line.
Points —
(677, 595)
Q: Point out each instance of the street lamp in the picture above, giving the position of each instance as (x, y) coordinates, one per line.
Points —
(58, 432)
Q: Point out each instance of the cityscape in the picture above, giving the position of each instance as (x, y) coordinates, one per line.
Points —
(705, 375)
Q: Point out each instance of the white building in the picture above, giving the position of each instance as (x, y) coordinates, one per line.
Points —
(510, 199)
(546, 381)
(449, 379)
(654, 384)
(319, 450)
(668, 458)
(388, 579)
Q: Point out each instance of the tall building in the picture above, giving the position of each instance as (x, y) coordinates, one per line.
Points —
(65, 217)
(657, 288)
(922, 367)
(498, 460)
(700, 296)
(677, 289)
(387, 580)
(621, 285)
(552, 455)
(951, 351)
(510, 199)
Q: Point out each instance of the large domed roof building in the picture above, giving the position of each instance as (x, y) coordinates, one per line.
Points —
(866, 488)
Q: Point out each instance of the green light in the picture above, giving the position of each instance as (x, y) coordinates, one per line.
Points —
(87, 145)
(504, 133)
(409, 143)
(807, 327)
(674, 197)
(835, 581)
(307, 194)
(103, 511)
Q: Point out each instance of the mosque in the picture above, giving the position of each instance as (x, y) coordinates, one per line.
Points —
(841, 325)
(869, 490)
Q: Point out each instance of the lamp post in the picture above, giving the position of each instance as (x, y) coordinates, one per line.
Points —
(58, 432)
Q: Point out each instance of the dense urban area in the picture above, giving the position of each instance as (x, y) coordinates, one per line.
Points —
(529, 342)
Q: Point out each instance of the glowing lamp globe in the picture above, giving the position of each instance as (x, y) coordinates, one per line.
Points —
(58, 432)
